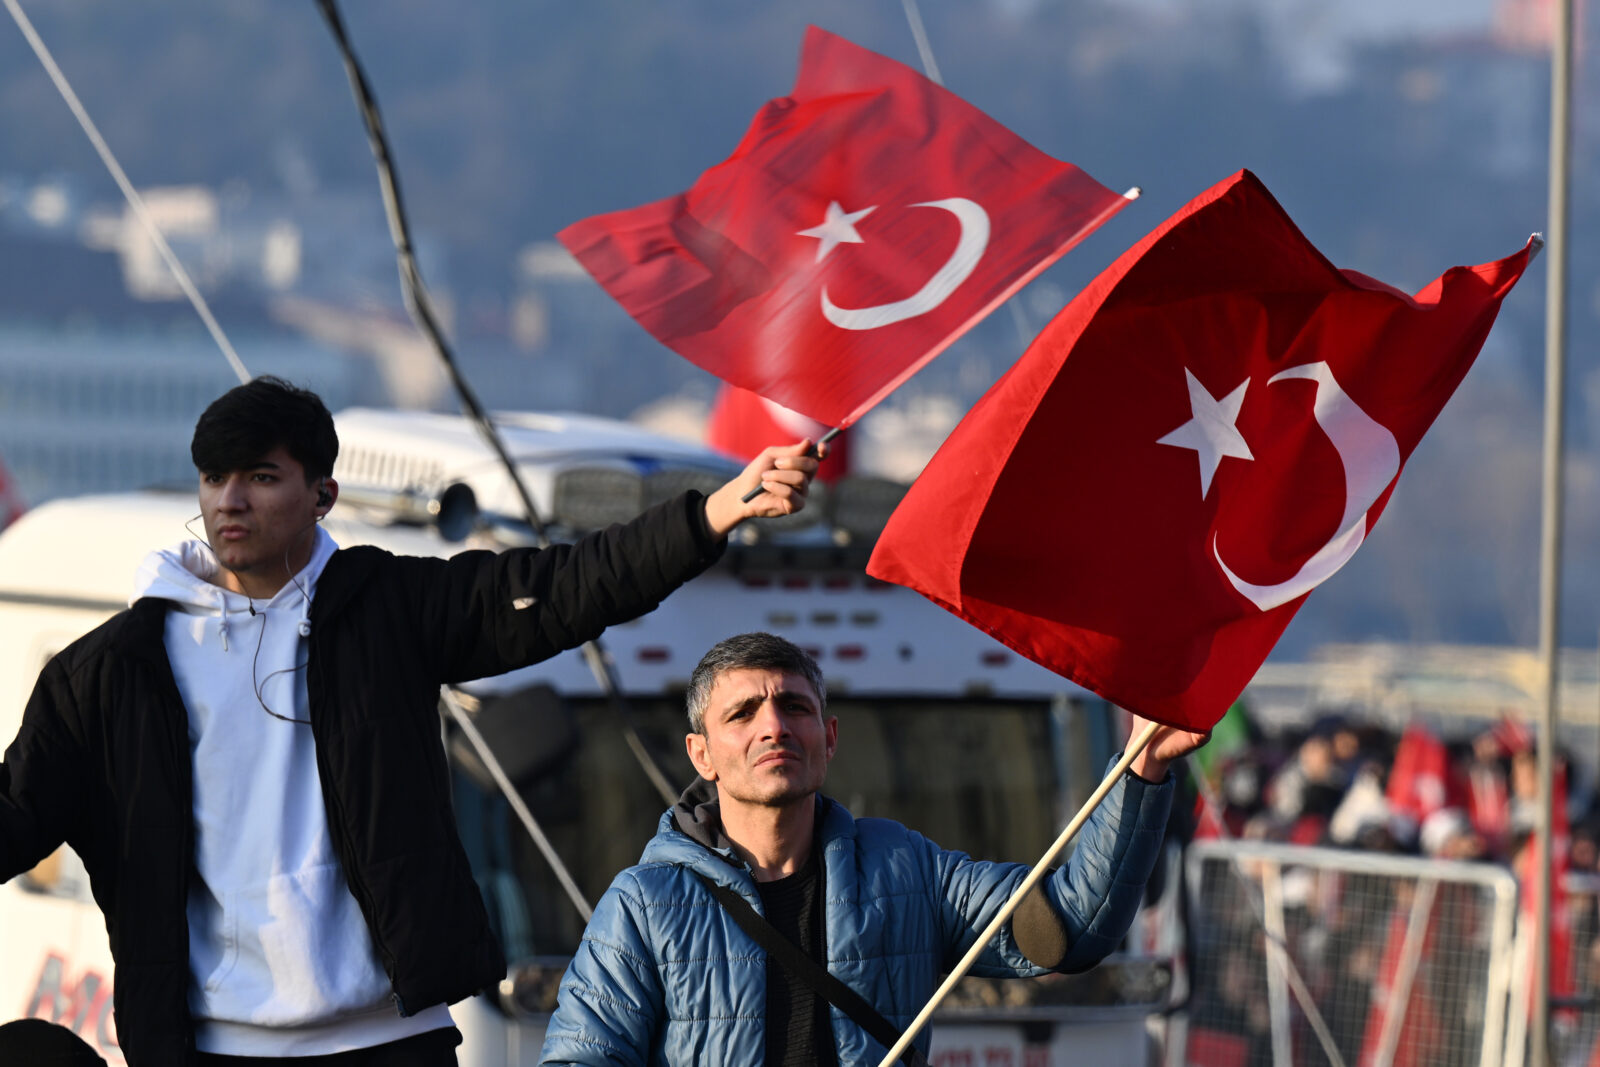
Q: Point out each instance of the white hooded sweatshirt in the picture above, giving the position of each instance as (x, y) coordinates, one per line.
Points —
(280, 956)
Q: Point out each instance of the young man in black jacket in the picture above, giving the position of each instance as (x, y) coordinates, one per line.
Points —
(248, 760)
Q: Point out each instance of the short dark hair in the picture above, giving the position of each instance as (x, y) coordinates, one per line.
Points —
(252, 419)
(748, 652)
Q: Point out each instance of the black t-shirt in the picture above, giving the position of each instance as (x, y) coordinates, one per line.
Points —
(798, 1031)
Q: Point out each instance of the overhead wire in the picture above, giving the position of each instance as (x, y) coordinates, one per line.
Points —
(930, 68)
(420, 306)
(129, 193)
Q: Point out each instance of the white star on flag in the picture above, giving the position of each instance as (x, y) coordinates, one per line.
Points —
(1211, 431)
(839, 227)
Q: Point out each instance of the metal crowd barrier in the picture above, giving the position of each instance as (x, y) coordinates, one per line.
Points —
(1315, 956)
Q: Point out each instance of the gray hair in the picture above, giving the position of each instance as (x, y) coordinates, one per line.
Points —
(748, 652)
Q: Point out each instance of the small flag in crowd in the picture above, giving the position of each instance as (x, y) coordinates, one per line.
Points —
(1206, 433)
(1419, 777)
(742, 424)
(864, 223)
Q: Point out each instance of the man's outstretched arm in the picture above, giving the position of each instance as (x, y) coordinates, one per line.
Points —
(488, 613)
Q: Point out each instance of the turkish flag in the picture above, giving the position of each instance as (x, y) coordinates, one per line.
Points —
(864, 223)
(742, 424)
(11, 503)
(1418, 775)
(1197, 440)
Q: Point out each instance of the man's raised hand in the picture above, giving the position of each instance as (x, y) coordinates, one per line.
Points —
(1168, 744)
(782, 473)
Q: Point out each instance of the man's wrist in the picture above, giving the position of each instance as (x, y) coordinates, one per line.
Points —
(719, 520)
(1152, 771)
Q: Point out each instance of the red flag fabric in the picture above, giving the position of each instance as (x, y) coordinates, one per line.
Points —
(1421, 1034)
(1418, 776)
(742, 424)
(1197, 440)
(864, 223)
(1528, 872)
(11, 504)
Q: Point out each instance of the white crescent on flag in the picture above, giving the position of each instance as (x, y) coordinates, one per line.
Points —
(1371, 459)
(945, 281)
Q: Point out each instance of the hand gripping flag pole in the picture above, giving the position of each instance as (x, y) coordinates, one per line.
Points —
(812, 451)
(1135, 746)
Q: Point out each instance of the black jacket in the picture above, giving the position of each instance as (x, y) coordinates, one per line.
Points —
(102, 759)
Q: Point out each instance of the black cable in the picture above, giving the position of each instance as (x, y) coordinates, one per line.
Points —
(420, 306)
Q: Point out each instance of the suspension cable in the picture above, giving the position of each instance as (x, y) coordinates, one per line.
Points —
(930, 67)
(420, 305)
(129, 193)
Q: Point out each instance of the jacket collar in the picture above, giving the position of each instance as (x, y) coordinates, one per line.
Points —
(141, 634)
(690, 835)
(346, 572)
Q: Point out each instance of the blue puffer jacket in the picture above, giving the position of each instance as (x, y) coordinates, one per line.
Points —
(665, 976)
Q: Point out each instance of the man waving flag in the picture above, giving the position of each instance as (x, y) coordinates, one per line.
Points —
(1205, 434)
(864, 223)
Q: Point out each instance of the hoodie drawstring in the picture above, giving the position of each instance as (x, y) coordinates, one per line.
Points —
(222, 618)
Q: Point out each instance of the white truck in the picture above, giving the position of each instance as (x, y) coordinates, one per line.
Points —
(942, 727)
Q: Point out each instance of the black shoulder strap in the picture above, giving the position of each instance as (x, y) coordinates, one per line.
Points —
(809, 971)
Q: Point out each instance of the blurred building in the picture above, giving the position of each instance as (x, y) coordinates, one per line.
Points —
(96, 411)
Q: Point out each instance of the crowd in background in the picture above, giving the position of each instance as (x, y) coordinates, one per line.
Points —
(1344, 783)
(1353, 784)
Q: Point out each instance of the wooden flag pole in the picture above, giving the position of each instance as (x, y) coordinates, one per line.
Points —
(1040, 869)
(824, 439)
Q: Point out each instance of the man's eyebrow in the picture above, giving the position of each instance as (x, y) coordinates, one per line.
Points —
(755, 699)
(259, 465)
(249, 468)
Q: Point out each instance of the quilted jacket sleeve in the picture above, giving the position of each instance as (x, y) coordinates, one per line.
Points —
(1096, 894)
(41, 776)
(494, 612)
(611, 1002)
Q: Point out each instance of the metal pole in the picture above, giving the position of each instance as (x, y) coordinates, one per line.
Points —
(930, 67)
(1277, 939)
(420, 306)
(514, 798)
(1555, 331)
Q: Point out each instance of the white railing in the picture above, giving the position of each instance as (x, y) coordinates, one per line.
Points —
(1314, 956)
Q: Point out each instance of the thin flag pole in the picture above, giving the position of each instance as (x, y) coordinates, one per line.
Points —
(1555, 343)
(824, 439)
(1040, 869)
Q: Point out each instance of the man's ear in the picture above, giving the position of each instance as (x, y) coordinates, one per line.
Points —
(830, 734)
(327, 493)
(700, 755)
